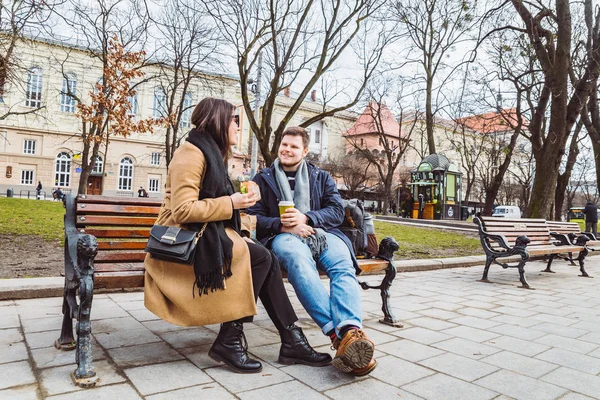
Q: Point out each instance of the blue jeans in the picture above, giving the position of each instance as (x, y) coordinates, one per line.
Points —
(339, 307)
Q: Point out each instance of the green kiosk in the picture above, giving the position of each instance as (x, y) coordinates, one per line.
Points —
(436, 189)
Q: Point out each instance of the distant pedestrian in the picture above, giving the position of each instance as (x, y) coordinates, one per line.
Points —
(38, 190)
(142, 192)
(58, 195)
(591, 218)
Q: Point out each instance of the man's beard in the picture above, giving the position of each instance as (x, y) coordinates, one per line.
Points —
(289, 164)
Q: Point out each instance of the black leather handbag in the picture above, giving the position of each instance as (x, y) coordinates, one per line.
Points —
(173, 244)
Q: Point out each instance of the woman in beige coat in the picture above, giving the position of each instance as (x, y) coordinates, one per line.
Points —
(229, 272)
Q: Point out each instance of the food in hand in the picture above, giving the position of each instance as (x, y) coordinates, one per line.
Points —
(250, 187)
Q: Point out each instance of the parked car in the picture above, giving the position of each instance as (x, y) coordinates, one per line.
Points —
(507, 212)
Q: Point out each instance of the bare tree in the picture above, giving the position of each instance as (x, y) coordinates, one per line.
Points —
(19, 21)
(187, 44)
(110, 109)
(438, 31)
(564, 177)
(378, 121)
(353, 170)
(550, 33)
(301, 41)
(108, 30)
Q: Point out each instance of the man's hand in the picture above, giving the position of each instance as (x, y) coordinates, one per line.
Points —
(301, 230)
(293, 217)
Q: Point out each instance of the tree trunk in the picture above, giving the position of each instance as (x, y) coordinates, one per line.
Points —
(542, 195)
(565, 177)
(429, 118)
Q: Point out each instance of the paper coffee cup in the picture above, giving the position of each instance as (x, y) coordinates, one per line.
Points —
(284, 205)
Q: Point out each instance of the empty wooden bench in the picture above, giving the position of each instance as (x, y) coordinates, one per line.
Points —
(502, 237)
(105, 238)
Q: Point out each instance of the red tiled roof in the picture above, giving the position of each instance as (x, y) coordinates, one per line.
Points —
(366, 123)
(496, 121)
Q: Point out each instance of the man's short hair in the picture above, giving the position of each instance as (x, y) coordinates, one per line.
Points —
(297, 131)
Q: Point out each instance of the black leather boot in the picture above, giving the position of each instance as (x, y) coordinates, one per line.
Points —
(296, 350)
(231, 348)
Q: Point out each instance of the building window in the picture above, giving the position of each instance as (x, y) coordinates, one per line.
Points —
(153, 185)
(155, 159)
(160, 103)
(186, 115)
(380, 142)
(317, 136)
(69, 89)
(33, 95)
(97, 166)
(362, 142)
(125, 174)
(62, 170)
(29, 147)
(133, 103)
(26, 177)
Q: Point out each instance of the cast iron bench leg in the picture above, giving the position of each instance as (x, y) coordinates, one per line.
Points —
(85, 375)
(66, 341)
(549, 265)
(521, 268)
(387, 247)
(581, 258)
(488, 262)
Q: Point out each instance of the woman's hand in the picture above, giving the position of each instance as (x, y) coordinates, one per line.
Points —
(240, 200)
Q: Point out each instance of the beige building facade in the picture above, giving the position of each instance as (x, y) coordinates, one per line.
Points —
(46, 145)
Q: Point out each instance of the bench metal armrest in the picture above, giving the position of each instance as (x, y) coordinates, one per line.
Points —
(589, 235)
(563, 240)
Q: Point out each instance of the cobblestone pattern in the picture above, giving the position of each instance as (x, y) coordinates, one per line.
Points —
(462, 340)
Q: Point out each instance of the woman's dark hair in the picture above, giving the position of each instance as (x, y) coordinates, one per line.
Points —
(213, 116)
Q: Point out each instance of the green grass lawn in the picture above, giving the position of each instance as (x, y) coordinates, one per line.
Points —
(32, 217)
(427, 243)
(45, 219)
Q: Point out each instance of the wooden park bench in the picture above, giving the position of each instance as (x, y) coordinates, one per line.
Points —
(502, 237)
(105, 238)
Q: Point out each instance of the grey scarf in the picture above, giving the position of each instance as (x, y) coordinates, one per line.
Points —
(301, 193)
(301, 197)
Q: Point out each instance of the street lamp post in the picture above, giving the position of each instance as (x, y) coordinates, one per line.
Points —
(254, 155)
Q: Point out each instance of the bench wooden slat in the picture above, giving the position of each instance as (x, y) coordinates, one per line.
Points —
(101, 220)
(116, 267)
(119, 280)
(114, 245)
(109, 209)
(117, 233)
(372, 265)
(119, 200)
(107, 256)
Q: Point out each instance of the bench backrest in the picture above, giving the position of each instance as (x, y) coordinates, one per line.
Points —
(564, 228)
(535, 229)
(122, 226)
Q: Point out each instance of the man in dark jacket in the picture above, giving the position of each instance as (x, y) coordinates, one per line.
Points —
(591, 218)
(306, 238)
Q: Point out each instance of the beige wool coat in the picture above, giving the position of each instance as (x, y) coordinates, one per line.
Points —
(168, 286)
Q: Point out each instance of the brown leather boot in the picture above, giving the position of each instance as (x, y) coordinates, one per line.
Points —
(366, 370)
(354, 351)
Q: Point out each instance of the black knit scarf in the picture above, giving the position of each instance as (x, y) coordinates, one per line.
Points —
(214, 251)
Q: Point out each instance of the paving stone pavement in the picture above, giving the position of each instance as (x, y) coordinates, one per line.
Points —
(462, 340)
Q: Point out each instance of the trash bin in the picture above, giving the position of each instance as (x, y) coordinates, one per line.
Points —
(9, 192)
(464, 213)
